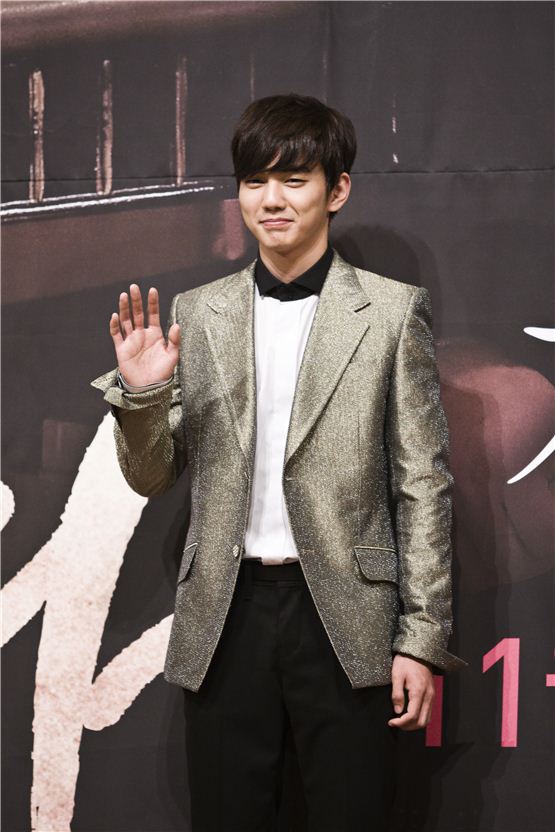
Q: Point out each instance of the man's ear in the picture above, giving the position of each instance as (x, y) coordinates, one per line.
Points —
(340, 193)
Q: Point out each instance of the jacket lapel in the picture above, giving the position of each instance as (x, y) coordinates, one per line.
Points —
(230, 335)
(336, 331)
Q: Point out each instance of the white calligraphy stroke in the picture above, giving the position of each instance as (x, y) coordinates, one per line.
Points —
(544, 334)
(75, 573)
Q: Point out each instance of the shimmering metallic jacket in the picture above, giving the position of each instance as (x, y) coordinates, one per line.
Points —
(365, 475)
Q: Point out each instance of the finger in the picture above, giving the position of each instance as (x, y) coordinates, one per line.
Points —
(426, 711)
(124, 314)
(409, 719)
(398, 694)
(425, 715)
(153, 308)
(419, 701)
(404, 722)
(416, 699)
(137, 306)
(115, 330)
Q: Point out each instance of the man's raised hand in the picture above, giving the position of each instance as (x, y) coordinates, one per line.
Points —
(143, 355)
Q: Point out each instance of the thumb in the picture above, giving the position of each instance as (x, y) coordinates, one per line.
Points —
(173, 335)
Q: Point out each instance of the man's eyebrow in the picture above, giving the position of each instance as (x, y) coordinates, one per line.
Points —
(300, 169)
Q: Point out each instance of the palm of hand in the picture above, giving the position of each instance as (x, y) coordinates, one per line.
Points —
(143, 355)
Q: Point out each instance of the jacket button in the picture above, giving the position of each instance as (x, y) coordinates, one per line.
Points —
(235, 550)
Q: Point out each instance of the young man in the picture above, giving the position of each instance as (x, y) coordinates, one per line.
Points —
(314, 587)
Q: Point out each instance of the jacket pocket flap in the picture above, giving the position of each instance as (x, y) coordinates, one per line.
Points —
(377, 563)
(186, 561)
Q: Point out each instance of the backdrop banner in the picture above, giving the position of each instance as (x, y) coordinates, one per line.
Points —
(116, 168)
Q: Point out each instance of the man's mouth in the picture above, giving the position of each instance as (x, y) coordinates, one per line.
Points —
(276, 223)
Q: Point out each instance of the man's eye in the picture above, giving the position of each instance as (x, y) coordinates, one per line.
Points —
(254, 180)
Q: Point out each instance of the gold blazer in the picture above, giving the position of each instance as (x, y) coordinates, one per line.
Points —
(365, 475)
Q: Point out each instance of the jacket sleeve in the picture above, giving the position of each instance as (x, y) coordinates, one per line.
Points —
(417, 443)
(148, 429)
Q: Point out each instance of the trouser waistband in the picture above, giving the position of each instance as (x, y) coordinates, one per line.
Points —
(256, 571)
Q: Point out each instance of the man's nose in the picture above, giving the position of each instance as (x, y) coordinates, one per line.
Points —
(272, 196)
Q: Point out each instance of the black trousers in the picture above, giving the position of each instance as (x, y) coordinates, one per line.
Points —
(274, 665)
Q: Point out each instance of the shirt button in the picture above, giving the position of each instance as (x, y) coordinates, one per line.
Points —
(235, 550)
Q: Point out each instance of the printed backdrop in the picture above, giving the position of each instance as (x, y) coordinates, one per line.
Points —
(116, 120)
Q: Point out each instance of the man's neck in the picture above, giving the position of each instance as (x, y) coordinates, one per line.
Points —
(288, 266)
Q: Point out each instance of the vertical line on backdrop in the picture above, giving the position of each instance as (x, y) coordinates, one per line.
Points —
(252, 74)
(181, 90)
(36, 119)
(105, 133)
(326, 53)
(394, 128)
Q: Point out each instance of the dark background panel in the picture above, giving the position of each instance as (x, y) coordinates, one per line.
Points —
(452, 190)
(430, 86)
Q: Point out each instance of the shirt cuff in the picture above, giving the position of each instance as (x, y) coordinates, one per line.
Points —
(131, 388)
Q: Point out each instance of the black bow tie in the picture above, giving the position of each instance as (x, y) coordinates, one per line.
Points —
(287, 291)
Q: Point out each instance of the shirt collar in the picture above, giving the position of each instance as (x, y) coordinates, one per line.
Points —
(308, 283)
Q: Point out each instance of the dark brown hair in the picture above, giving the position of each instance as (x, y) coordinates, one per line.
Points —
(301, 130)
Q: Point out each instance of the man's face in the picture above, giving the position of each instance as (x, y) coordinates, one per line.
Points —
(286, 211)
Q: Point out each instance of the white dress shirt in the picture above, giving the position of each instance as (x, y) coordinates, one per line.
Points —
(281, 332)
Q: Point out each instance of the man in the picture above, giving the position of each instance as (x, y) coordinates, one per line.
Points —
(314, 587)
